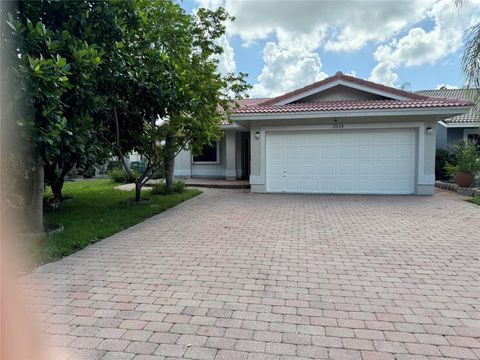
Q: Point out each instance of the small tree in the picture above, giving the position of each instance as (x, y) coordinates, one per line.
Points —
(168, 94)
(204, 97)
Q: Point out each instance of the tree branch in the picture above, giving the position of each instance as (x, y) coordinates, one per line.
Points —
(119, 149)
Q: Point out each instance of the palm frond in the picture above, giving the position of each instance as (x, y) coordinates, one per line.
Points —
(471, 56)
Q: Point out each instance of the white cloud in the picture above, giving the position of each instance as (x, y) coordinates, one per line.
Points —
(383, 73)
(448, 86)
(286, 69)
(301, 27)
(420, 47)
(342, 25)
(210, 4)
(226, 61)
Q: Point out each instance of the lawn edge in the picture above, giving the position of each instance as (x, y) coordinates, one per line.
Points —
(96, 240)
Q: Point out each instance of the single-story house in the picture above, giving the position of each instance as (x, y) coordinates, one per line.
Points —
(340, 135)
(460, 127)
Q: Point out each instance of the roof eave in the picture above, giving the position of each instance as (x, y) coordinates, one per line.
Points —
(461, 125)
(441, 112)
(232, 126)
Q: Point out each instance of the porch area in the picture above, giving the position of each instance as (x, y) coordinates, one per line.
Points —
(218, 183)
(224, 163)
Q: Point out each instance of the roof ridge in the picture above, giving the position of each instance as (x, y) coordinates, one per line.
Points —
(448, 89)
(341, 76)
(430, 98)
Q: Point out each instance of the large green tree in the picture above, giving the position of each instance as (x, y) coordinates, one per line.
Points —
(60, 47)
(165, 90)
(131, 75)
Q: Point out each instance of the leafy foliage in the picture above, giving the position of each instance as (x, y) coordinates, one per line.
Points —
(471, 56)
(467, 158)
(161, 188)
(475, 200)
(119, 175)
(164, 90)
(121, 76)
(442, 156)
(60, 49)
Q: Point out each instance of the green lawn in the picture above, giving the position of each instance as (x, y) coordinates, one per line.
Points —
(96, 211)
(475, 200)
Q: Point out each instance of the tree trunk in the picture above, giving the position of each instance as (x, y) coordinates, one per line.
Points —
(138, 191)
(35, 208)
(169, 161)
(55, 180)
(57, 187)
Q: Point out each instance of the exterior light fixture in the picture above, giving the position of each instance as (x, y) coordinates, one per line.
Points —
(429, 130)
(257, 135)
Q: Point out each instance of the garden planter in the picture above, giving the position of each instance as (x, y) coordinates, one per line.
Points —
(465, 179)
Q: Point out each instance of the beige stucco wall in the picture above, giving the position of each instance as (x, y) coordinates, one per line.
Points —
(424, 180)
(229, 165)
(338, 93)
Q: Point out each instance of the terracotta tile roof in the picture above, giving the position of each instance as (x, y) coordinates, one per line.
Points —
(424, 102)
(340, 76)
(251, 101)
(244, 103)
(471, 118)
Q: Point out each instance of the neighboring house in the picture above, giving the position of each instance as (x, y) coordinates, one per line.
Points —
(340, 135)
(461, 127)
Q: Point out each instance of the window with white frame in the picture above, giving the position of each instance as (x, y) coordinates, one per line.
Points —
(210, 154)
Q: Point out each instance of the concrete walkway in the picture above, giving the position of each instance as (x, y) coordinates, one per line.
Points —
(199, 182)
(234, 275)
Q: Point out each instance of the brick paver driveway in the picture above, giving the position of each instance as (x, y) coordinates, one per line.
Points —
(233, 275)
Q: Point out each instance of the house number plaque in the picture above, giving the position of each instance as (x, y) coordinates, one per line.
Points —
(338, 126)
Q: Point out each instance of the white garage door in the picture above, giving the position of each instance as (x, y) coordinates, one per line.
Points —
(342, 162)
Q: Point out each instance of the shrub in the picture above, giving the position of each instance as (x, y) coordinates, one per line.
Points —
(121, 176)
(442, 156)
(178, 186)
(161, 188)
(467, 159)
(158, 174)
(112, 165)
(89, 172)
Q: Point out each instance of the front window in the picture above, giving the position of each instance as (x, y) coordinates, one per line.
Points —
(475, 138)
(209, 154)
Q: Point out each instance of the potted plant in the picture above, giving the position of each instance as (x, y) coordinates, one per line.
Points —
(467, 163)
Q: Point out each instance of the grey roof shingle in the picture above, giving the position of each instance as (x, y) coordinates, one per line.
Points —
(471, 118)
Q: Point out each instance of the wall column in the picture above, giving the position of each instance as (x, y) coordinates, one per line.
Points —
(230, 155)
(238, 153)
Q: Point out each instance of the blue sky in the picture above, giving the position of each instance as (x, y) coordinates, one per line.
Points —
(284, 45)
